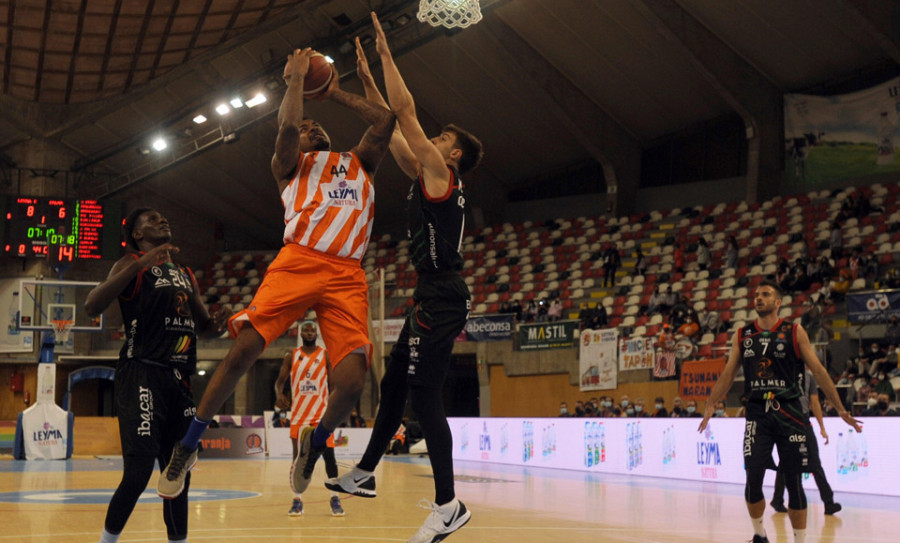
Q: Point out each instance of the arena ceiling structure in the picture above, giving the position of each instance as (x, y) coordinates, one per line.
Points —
(548, 85)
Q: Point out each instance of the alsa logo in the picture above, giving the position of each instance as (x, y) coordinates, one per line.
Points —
(47, 433)
(797, 438)
(145, 403)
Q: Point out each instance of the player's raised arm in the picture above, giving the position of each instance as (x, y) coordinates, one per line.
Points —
(723, 384)
(290, 117)
(433, 165)
(822, 378)
(121, 274)
(400, 150)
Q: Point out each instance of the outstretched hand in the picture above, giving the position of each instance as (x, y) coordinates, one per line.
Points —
(362, 65)
(380, 40)
(848, 418)
(707, 414)
(220, 319)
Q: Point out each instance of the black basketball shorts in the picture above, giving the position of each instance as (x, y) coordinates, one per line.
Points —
(785, 428)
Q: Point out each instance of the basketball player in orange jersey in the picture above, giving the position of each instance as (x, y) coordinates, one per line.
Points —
(421, 357)
(307, 368)
(328, 211)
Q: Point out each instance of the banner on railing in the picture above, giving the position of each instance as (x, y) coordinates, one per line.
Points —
(698, 378)
(636, 353)
(876, 306)
(547, 335)
(597, 359)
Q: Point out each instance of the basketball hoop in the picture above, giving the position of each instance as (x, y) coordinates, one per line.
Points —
(62, 329)
(449, 13)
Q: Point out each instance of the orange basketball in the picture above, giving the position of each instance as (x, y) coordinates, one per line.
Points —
(318, 77)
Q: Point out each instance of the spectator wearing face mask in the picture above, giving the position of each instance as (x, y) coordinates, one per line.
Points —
(660, 405)
(625, 406)
(678, 408)
(881, 407)
(606, 407)
(564, 410)
(691, 410)
(639, 410)
(579, 408)
(720, 410)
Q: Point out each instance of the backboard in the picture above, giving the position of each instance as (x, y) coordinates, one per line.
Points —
(41, 302)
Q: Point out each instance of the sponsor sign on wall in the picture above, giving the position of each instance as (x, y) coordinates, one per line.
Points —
(674, 449)
(490, 328)
(598, 359)
(547, 335)
(875, 306)
(392, 328)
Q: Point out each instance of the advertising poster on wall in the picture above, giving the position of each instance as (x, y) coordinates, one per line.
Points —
(598, 359)
(13, 340)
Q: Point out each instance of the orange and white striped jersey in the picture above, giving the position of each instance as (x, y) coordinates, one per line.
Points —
(329, 204)
(309, 387)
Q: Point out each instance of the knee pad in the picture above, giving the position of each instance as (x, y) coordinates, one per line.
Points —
(753, 491)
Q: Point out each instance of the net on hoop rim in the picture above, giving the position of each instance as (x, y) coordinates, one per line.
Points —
(449, 13)
(62, 329)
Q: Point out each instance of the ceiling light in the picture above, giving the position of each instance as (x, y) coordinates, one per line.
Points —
(159, 144)
(201, 373)
(256, 100)
(231, 137)
(200, 119)
(223, 109)
(236, 103)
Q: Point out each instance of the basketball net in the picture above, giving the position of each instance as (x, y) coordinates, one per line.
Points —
(62, 329)
(449, 13)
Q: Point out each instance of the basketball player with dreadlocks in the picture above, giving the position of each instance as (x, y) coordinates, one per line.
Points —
(773, 353)
(162, 312)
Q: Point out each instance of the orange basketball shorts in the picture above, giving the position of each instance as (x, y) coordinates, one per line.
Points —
(299, 279)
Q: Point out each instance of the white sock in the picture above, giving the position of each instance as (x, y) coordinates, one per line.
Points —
(800, 536)
(107, 537)
(362, 471)
(758, 527)
(298, 497)
(335, 495)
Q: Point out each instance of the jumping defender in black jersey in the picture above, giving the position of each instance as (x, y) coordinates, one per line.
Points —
(773, 353)
(162, 313)
(421, 357)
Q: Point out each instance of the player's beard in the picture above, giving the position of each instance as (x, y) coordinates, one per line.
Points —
(309, 344)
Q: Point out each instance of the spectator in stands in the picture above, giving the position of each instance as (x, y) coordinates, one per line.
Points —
(607, 409)
(731, 252)
(812, 318)
(640, 262)
(669, 301)
(531, 311)
(678, 408)
(840, 285)
(657, 301)
(691, 410)
(885, 365)
(853, 263)
(711, 322)
(554, 312)
(881, 407)
(666, 341)
(639, 410)
(892, 331)
(601, 317)
(836, 240)
(890, 279)
(742, 412)
(542, 311)
(680, 310)
(720, 410)
(814, 270)
(564, 410)
(874, 353)
(690, 329)
(660, 405)
(624, 405)
(703, 256)
(585, 316)
(829, 410)
(611, 262)
(678, 258)
(579, 408)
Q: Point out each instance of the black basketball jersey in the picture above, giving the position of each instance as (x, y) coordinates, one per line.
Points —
(773, 368)
(435, 227)
(159, 324)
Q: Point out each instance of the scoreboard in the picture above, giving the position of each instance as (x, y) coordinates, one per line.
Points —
(62, 229)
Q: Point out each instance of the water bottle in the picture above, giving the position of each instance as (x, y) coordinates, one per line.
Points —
(841, 451)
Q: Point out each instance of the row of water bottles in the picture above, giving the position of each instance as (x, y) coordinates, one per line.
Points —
(594, 443)
(668, 446)
(634, 442)
(548, 441)
(852, 454)
(527, 440)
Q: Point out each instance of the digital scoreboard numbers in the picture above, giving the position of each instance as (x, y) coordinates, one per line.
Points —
(62, 229)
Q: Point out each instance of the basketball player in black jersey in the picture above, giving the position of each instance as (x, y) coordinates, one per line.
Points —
(773, 353)
(162, 313)
(420, 359)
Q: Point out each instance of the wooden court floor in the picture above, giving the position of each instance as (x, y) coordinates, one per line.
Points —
(247, 500)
